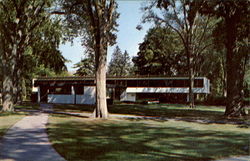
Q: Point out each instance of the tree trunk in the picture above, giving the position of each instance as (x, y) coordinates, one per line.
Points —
(191, 87)
(191, 75)
(234, 106)
(101, 110)
(223, 78)
(17, 83)
(9, 63)
(7, 92)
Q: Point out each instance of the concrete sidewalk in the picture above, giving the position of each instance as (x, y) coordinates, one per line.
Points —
(27, 140)
(242, 158)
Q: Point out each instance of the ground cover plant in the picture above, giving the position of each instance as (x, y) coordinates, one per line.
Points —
(120, 139)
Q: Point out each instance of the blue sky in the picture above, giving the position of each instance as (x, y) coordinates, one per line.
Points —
(128, 37)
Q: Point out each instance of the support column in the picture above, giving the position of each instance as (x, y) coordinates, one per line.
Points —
(187, 97)
(38, 95)
(74, 94)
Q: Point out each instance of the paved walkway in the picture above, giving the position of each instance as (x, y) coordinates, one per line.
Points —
(242, 158)
(27, 140)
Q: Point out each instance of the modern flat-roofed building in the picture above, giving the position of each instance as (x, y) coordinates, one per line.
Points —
(81, 90)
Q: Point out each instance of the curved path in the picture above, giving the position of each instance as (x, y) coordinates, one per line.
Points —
(28, 140)
(242, 158)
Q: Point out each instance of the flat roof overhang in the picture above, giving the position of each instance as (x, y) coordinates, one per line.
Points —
(112, 78)
(65, 83)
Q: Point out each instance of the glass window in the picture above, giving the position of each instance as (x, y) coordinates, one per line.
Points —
(79, 90)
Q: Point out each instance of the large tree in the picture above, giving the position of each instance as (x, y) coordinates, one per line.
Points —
(86, 67)
(18, 21)
(95, 21)
(235, 20)
(182, 16)
(120, 64)
(161, 53)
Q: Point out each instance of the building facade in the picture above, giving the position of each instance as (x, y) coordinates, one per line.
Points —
(81, 90)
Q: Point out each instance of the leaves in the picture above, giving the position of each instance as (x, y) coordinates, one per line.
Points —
(120, 64)
(29, 41)
(161, 53)
(86, 67)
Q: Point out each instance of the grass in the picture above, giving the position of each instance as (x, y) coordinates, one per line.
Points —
(28, 106)
(140, 109)
(134, 140)
(213, 113)
(7, 120)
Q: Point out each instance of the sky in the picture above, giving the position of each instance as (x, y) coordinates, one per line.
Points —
(128, 37)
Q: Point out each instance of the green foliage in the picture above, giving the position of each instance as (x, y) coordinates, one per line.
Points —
(120, 64)
(29, 42)
(45, 46)
(161, 53)
(81, 20)
(86, 67)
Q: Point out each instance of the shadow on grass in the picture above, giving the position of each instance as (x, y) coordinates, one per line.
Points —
(7, 119)
(162, 111)
(145, 110)
(3, 114)
(107, 140)
(210, 114)
(73, 108)
(28, 106)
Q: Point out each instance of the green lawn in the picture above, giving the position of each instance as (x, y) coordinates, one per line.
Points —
(212, 113)
(118, 139)
(7, 120)
(28, 106)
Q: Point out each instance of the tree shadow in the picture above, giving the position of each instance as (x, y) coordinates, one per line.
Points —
(108, 140)
(161, 111)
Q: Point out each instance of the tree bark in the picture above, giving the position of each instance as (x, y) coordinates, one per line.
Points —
(234, 105)
(101, 110)
(224, 80)
(191, 74)
(7, 92)
(191, 87)
(18, 80)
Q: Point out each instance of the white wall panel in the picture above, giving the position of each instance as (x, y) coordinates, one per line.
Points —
(164, 90)
(131, 97)
(57, 98)
(87, 98)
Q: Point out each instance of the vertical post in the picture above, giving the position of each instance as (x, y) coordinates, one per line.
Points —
(187, 97)
(74, 94)
(38, 95)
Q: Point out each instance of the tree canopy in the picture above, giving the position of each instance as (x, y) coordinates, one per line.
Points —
(161, 53)
(25, 25)
(120, 63)
(86, 67)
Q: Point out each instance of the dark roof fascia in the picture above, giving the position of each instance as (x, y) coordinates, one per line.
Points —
(111, 78)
